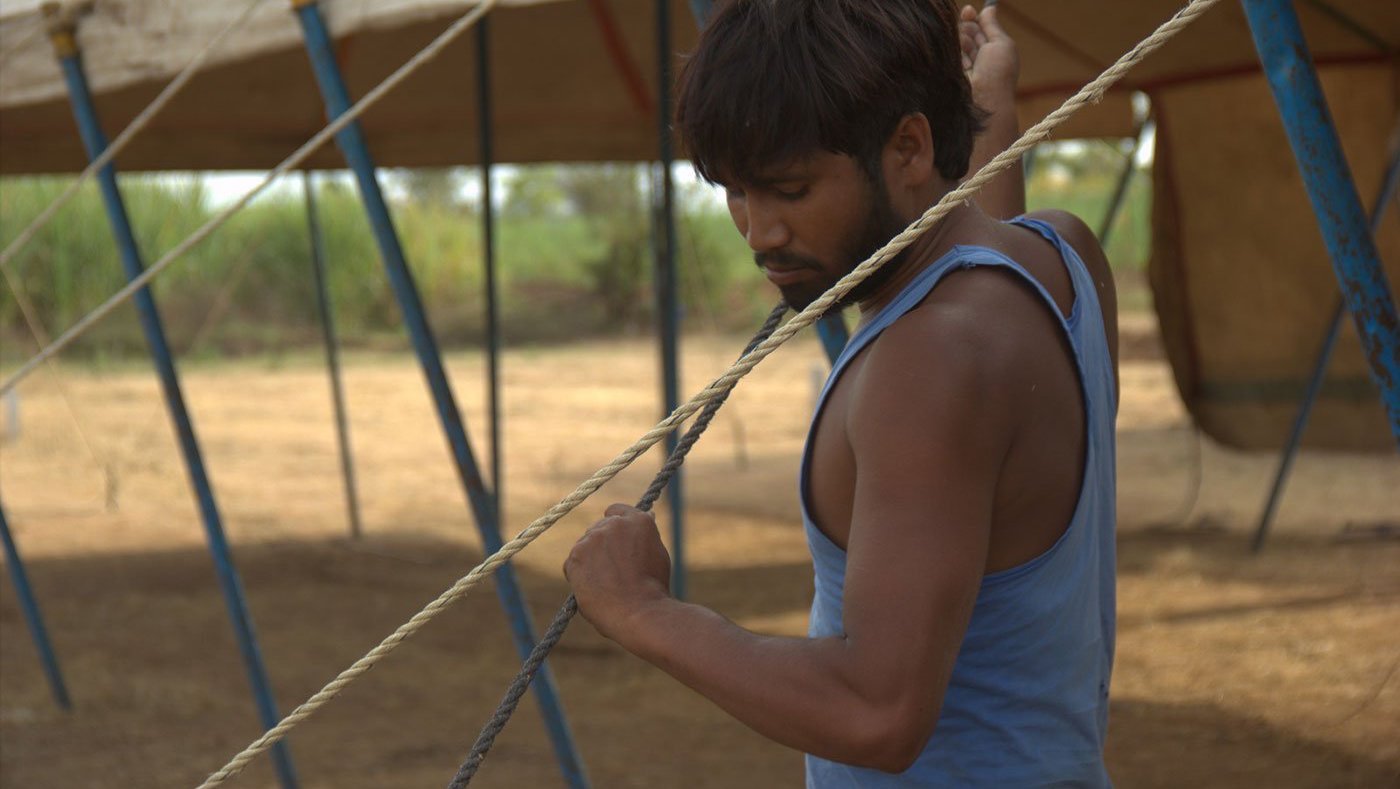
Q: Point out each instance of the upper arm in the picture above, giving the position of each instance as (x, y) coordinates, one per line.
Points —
(929, 427)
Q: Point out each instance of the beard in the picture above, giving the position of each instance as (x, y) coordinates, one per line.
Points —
(881, 224)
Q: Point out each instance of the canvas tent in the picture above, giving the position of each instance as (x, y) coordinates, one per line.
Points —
(1239, 270)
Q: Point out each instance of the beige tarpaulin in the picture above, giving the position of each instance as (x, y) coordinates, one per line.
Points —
(1243, 284)
(561, 92)
(1241, 276)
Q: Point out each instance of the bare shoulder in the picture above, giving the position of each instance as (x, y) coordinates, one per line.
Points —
(967, 341)
(1086, 243)
(1081, 237)
(939, 388)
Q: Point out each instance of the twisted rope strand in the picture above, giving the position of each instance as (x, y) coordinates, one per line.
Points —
(1088, 94)
(535, 660)
(127, 135)
(298, 156)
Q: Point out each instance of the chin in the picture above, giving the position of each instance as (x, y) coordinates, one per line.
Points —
(799, 297)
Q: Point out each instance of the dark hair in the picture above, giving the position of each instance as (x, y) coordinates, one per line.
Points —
(772, 80)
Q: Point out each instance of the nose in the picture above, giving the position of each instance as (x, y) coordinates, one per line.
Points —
(762, 225)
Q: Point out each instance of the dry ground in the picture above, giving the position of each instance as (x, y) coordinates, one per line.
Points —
(1232, 670)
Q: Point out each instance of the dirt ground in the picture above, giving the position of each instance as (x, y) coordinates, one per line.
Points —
(1232, 670)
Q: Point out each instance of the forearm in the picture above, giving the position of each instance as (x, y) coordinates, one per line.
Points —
(1005, 195)
(804, 693)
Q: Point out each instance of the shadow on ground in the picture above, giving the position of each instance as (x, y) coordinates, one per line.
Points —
(161, 696)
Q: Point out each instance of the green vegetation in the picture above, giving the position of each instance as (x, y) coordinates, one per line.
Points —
(573, 262)
(574, 243)
(1080, 177)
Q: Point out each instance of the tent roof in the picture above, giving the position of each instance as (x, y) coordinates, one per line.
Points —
(561, 92)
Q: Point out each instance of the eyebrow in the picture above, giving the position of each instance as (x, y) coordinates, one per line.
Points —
(782, 175)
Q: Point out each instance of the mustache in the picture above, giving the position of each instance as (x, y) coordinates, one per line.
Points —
(785, 260)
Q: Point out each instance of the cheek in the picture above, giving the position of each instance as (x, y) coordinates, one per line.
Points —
(739, 213)
(834, 227)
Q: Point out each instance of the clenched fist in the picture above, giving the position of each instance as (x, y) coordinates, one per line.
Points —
(617, 567)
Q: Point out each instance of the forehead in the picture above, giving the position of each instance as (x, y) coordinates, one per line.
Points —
(806, 167)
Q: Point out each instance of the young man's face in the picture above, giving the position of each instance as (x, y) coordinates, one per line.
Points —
(811, 221)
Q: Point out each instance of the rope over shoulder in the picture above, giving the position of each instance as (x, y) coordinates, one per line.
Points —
(805, 318)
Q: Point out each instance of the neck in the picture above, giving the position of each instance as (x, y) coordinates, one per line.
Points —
(920, 254)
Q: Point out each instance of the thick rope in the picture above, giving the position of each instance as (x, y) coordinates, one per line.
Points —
(128, 134)
(566, 613)
(298, 156)
(1088, 94)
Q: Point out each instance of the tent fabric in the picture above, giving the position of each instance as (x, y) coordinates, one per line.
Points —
(557, 91)
(1242, 282)
(560, 92)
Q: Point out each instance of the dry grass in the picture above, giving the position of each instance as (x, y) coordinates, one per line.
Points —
(1232, 670)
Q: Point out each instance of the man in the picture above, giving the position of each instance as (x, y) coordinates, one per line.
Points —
(957, 486)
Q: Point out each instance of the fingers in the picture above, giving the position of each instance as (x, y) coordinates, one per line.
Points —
(619, 510)
(967, 37)
(970, 37)
(988, 24)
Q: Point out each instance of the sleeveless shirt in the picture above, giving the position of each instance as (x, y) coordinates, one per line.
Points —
(1027, 703)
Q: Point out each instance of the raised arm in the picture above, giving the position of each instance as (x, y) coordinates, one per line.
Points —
(993, 66)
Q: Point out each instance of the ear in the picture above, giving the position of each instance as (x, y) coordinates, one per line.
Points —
(908, 155)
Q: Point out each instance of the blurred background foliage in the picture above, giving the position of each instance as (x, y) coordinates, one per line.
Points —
(574, 245)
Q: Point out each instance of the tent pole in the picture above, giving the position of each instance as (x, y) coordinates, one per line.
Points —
(1278, 37)
(323, 306)
(1324, 356)
(63, 34)
(488, 256)
(700, 9)
(29, 604)
(353, 145)
(1120, 190)
(1028, 163)
(831, 328)
(666, 281)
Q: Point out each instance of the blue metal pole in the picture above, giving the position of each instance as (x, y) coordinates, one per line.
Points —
(488, 256)
(323, 306)
(831, 328)
(95, 141)
(1324, 356)
(667, 296)
(700, 9)
(1278, 37)
(29, 604)
(356, 151)
(1028, 163)
(1120, 190)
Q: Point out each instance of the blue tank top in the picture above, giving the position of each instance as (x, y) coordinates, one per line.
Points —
(1027, 704)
